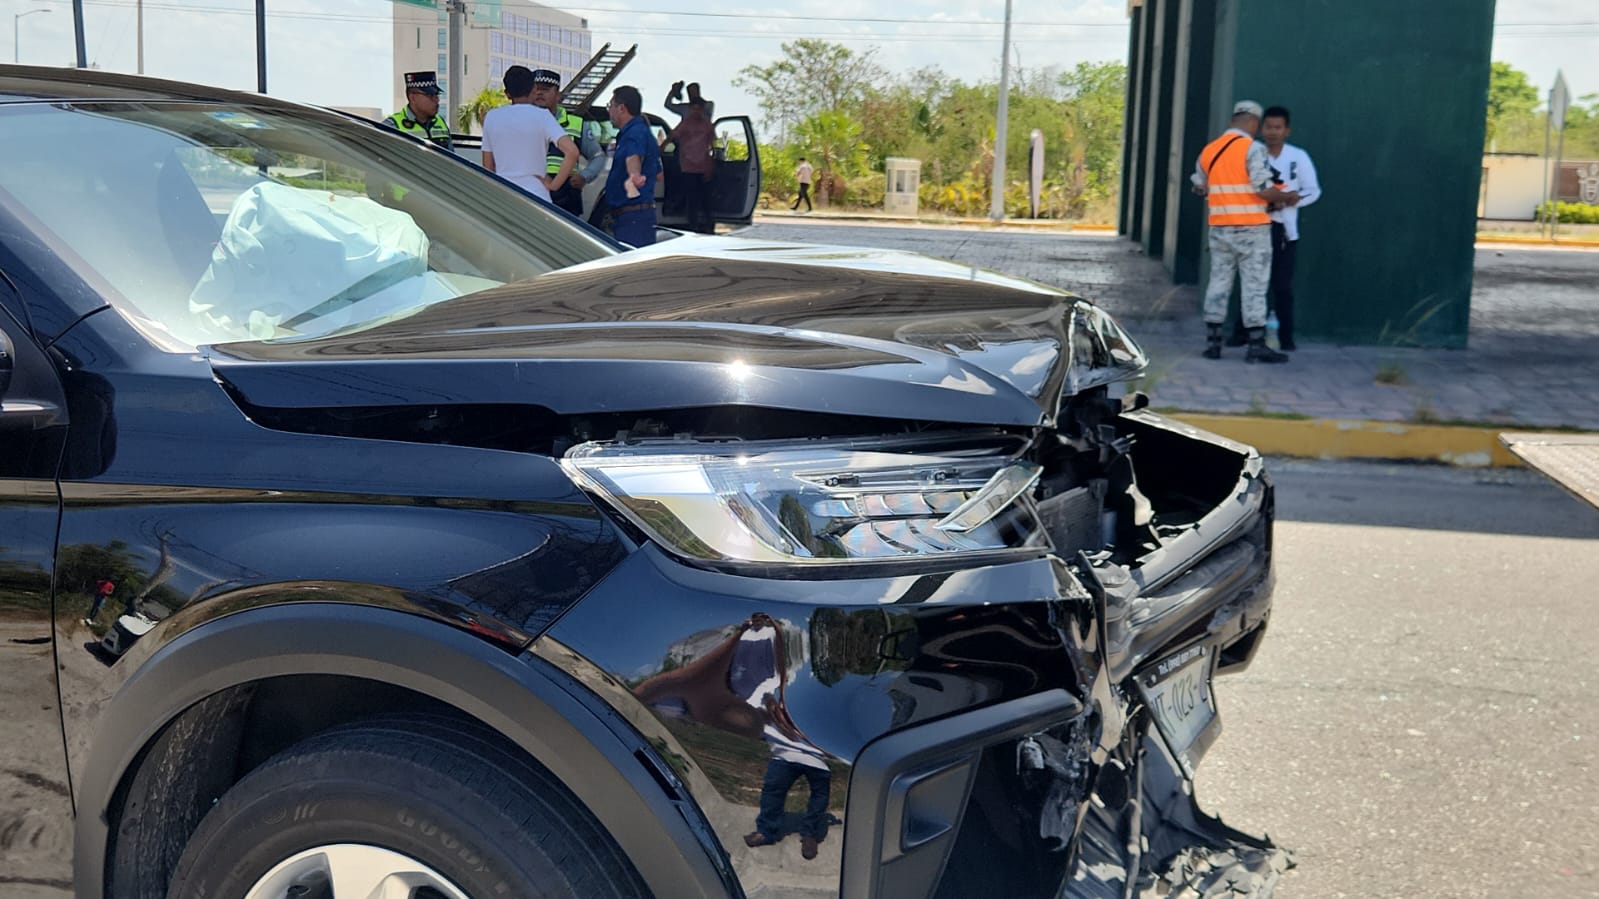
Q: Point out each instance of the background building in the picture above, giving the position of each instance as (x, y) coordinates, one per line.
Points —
(497, 36)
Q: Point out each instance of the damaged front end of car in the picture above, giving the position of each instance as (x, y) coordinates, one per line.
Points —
(990, 651)
(910, 603)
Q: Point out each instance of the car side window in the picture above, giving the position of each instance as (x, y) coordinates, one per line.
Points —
(31, 402)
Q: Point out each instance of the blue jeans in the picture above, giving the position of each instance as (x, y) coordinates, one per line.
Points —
(780, 777)
(636, 228)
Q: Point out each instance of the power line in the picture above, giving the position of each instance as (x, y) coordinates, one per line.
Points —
(802, 18)
(668, 30)
(356, 17)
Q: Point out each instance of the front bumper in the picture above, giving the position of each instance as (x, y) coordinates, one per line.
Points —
(958, 723)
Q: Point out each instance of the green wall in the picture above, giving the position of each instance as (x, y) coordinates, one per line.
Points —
(1388, 97)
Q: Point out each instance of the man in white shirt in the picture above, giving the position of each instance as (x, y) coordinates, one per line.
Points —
(802, 174)
(1296, 176)
(517, 138)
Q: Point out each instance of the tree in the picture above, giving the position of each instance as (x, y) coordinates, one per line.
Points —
(812, 76)
(475, 109)
(1511, 97)
(832, 141)
(1096, 100)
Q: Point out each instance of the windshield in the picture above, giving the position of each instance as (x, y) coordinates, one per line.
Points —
(205, 223)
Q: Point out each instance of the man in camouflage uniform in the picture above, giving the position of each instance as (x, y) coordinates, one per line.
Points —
(1236, 178)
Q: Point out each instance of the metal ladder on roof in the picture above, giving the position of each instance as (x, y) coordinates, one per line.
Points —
(595, 76)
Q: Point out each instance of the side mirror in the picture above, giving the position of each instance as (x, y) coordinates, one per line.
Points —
(6, 364)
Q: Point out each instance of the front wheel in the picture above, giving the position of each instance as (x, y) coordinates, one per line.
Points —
(401, 809)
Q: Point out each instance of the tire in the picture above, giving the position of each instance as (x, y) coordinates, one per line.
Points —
(447, 794)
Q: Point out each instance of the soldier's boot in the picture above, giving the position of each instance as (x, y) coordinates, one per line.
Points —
(1212, 341)
(1259, 352)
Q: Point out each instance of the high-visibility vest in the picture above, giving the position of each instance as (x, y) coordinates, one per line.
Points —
(436, 131)
(574, 129)
(1234, 199)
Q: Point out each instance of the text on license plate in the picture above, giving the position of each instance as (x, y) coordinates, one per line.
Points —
(1177, 690)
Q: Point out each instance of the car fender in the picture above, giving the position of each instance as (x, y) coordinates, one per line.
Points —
(555, 720)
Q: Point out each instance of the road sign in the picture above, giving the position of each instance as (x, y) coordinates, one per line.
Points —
(1559, 102)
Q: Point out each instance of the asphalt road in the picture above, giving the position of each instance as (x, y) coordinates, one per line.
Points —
(1420, 719)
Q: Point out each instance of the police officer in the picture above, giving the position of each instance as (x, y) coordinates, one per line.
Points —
(1237, 181)
(420, 117)
(547, 94)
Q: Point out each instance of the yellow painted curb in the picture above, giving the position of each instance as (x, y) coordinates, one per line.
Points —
(1342, 439)
(1531, 241)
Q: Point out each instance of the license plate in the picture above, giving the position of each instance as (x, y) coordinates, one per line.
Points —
(1177, 690)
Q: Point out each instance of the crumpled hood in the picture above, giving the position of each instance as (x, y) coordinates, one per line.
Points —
(697, 322)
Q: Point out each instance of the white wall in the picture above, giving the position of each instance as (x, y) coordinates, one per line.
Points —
(1513, 187)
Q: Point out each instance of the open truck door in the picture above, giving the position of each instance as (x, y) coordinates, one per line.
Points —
(738, 171)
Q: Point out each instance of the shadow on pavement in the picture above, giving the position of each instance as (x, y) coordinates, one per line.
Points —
(1512, 502)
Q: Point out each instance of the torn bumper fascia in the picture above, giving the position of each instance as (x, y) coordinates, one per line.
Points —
(1179, 852)
(1218, 572)
(1142, 833)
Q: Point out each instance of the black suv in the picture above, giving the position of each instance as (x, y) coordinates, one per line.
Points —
(367, 528)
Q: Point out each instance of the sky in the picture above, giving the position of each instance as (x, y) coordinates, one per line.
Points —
(337, 52)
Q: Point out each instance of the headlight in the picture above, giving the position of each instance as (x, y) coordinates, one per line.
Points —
(817, 502)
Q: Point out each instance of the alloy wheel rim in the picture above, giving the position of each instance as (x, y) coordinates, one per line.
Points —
(352, 871)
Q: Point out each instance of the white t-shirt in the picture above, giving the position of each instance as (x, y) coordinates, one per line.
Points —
(519, 136)
(1298, 173)
(803, 173)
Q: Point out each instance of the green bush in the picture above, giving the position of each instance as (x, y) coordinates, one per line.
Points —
(866, 191)
(1571, 213)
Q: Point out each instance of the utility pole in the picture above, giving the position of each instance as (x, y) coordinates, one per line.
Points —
(16, 32)
(457, 9)
(996, 206)
(260, 46)
(77, 34)
(139, 29)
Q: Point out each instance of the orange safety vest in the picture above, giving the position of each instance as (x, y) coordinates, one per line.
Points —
(1234, 200)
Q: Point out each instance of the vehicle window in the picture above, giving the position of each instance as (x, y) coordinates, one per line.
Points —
(732, 147)
(207, 224)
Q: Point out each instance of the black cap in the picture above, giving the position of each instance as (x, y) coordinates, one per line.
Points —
(426, 82)
(546, 76)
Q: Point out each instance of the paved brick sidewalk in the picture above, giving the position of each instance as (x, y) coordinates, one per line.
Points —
(1533, 358)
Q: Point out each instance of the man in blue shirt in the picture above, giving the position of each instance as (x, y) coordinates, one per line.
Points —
(630, 187)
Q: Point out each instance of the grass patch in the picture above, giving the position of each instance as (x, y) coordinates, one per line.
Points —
(1263, 413)
(1391, 373)
(1145, 383)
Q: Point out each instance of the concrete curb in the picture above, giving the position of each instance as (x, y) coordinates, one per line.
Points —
(1097, 228)
(1529, 241)
(1466, 447)
(842, 216)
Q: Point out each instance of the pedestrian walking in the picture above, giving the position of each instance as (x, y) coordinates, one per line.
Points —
(803, 174)
(517, 140)
(1232, 173)
(630, 187)
(420, 117)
